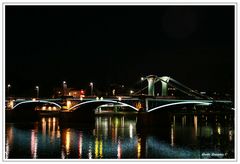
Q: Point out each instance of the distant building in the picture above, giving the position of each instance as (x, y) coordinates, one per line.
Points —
(171, 91)
(117, 89)
(76, 93)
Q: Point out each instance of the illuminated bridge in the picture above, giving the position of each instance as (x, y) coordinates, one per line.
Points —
(148, 103)
(147, 106)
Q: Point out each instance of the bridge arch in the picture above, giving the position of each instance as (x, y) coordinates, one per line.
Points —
(178, 103)
(98, 103)
(35, 102)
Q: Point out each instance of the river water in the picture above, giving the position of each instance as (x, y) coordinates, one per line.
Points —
(187, 136)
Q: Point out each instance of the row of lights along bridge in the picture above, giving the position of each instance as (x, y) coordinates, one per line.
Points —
(66, 92)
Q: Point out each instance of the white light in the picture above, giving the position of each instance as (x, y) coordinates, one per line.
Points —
(81, 98)
(131, 130)
(64, 82)
(113, 92)
(131, 91)
(37, 87)
(177, 103)
(119, 98)
(101, 98)
(109, 101)
(91, 84)
(9, 85)
(33, 99)
(142, 78)
(97, 98)
(30, 101)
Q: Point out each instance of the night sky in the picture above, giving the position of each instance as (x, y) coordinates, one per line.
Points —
(118, 44)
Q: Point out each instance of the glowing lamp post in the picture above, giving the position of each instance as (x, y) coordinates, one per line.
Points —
(142, 79)
(8, 90)
(91, 85)
(64, 88)
(37, 88)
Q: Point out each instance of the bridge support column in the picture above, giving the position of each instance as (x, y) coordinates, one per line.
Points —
(146, 105)
(151, 81)
(164, 81)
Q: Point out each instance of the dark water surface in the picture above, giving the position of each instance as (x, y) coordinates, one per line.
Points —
(187, 136)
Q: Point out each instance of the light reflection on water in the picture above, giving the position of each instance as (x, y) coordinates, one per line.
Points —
(116, 137)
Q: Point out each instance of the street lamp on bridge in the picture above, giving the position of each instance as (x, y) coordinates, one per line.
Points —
(8, 90)
(64, 88)
(142, 79)
(37, 88)
(91, 85)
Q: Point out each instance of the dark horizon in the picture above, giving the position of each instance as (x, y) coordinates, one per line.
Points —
(46, 45)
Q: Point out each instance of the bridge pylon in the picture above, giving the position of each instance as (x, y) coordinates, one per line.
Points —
(164, 81)
(151, 81)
